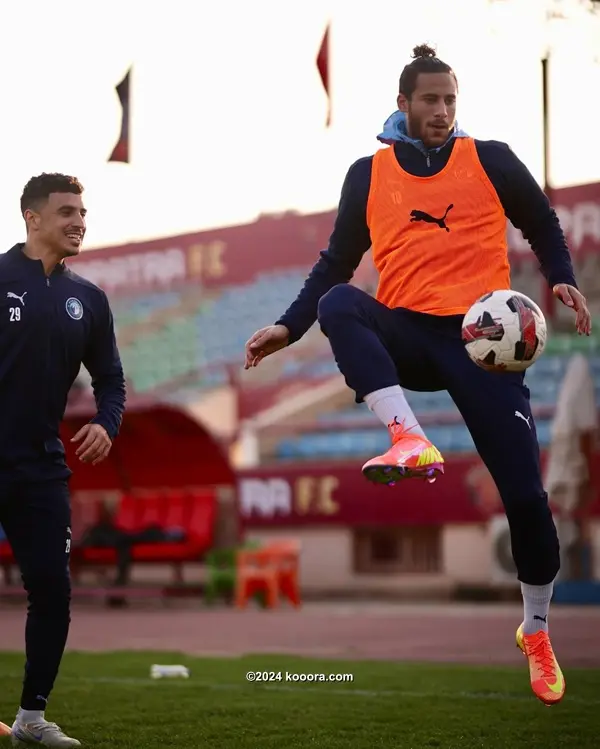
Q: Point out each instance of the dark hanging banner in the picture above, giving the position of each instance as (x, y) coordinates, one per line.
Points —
(121, 149)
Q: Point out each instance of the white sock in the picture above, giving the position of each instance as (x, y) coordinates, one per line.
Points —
(389, 404)
(30, 716)
(536, 602)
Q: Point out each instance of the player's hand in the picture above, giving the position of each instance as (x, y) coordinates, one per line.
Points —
(95, 446)
(571, 297)
(264, 342)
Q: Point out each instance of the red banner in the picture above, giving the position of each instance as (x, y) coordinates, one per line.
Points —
(303, 495)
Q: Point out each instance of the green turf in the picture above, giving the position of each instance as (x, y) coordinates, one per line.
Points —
(108, 700)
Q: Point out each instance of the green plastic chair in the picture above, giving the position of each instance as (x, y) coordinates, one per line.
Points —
(220, 573)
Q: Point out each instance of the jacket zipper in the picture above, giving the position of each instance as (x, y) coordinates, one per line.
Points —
(49, 369)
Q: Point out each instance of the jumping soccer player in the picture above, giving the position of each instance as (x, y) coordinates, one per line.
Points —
(51, 322)
(433, 208)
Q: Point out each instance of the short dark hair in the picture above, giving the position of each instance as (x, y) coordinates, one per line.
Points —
(425, 61)
(39, 188)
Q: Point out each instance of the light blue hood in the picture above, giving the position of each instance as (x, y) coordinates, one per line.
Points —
(394, 129)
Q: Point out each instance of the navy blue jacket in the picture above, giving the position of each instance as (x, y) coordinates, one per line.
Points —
(525, 205)
(49, 327)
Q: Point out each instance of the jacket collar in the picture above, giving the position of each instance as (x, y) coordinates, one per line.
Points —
(18, 255)
(395, 130)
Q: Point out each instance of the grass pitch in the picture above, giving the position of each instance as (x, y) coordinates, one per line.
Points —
(109, 701)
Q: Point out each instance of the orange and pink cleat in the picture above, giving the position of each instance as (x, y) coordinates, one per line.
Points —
(410, 456)
(547, 680)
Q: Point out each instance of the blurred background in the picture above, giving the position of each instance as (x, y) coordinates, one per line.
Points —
(212, 141)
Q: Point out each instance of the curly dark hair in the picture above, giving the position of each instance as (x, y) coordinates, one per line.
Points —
(39, 188)
(425, 61)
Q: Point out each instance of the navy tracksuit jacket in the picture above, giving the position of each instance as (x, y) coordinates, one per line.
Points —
(49, 326)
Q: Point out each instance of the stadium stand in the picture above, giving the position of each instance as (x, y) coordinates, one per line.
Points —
(165, 337)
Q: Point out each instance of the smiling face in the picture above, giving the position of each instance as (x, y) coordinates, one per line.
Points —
(58, 223)
(431, 109)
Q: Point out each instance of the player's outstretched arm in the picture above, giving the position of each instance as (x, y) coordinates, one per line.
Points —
(265, 342)
(528, 208)
(572, 297)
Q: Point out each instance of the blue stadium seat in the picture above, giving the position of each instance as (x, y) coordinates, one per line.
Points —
(543, 429)
(547, 366)
(543, 391)
(460, 439)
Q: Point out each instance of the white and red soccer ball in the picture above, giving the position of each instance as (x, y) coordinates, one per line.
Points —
(504, 331)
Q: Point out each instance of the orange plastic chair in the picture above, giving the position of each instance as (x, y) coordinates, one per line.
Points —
(273, 569)
(287, 554)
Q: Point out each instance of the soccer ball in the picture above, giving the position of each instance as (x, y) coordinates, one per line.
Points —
(504, 331)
